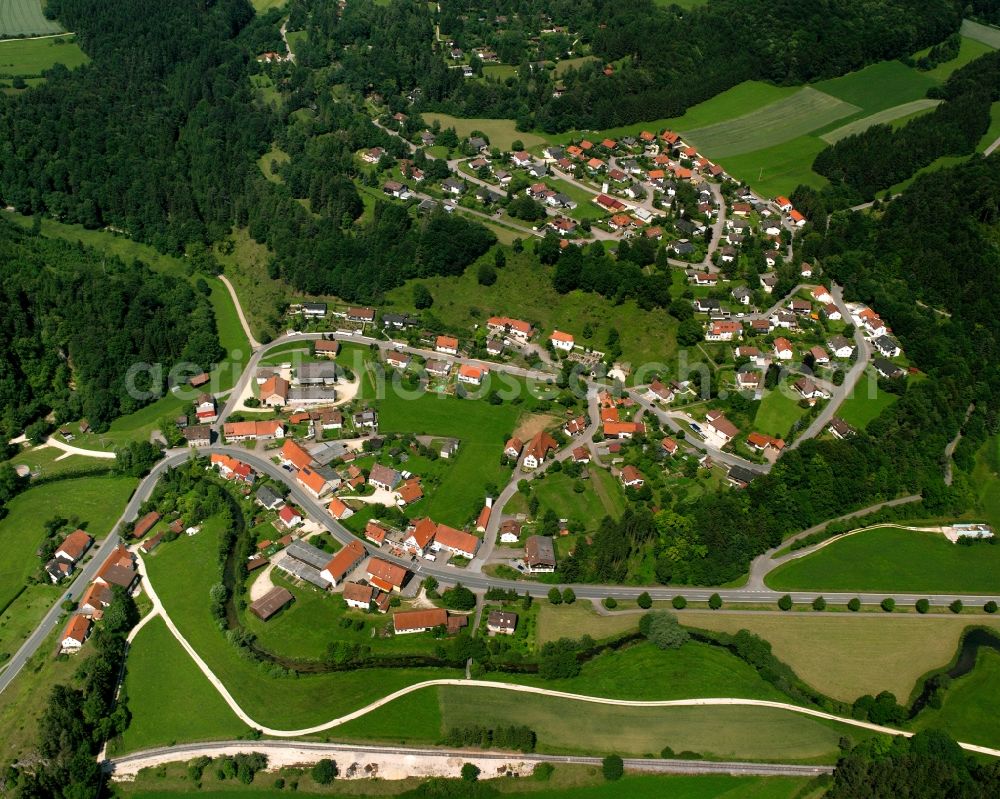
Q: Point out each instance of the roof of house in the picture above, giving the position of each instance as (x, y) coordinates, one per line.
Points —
(631, 475)
(612, 428)
(375, 532)
(355, 592)
(419, 619)
(77, 628)
(275, 386)
(345, 560)
(538, 549)
(323, 345)
(451, 538)
(288, 514)
(145, 524)
(470, 371)
(384, 475)
(558, 335)
(669, 445)
(423, 531)
(97, 595)
(782, 344)
(741, 474)
(540, 445)
(447, 342)
(75, 544)
(504, 619)
(484, 517)
(338, 508)
(718, 420)
(390, 573)
(410, 491)
(292, 452)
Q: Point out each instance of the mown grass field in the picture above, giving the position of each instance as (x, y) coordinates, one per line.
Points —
(778, 411)
(908, 110)
(571, 621)
(96, 501)
(778, 122)
(986, 481)
(482, 429)
(986, 34)
(28, 58)
(25, 18)
(48, 461)
(568, 726)
(183, 571)
(602, 497)
(169, 699)
(860, 408)
(971, 710)
(524, 290)
(889, 559)
(970, 50)
(500, 132)
(262, 6)
(845, 655)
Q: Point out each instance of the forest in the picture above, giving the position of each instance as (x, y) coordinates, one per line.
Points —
(75, 320)
(879, 157)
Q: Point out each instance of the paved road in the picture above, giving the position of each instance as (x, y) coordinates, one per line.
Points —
(132, 763)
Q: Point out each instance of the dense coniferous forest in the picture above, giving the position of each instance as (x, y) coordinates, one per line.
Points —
(880, 157)
(666, 59)
(73, 323)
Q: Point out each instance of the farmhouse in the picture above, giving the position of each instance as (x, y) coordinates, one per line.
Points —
(145, 524)
(539, 554)
(343, 563)
(292, 454)
(271, 603)
(419, 535)
(383, 477)
(274, 391)
(455, 541)
(513, 448)
(419, 621)
(253, 431)
(76, 632)
(74, 546)
(386, 576)
(537, 450)
(358, 596)
(623, 430)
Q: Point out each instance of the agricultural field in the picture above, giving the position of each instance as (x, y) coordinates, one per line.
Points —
(25, 18)
(971, 710)
(907, 110)
(184, 705)
(263, 6)
(985, 34)
(500, 132)
(28, 58)
(46, 461)
(95, 501)
(569, 621)
(778, 122)
(847, 655)
(183, 571)
(890, 559)
(524, 290)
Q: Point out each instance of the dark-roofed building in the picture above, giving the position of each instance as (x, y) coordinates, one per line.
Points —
(839, 428)
(198, 435)
(271, 603)
(501, 622)
(888, 369)
(268, 498)
(741, 476)
(539, 554)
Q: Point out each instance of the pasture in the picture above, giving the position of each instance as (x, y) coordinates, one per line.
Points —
(28, 58)
(866, 402)
(890, 559)
(183, 706)
(909, 109)
(602, 496)
(780, 121)
(846, 655)
(971, 709)
(500, 132)
(25, 18)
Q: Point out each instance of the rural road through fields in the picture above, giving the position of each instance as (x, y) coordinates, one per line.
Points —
(254, 344)
(287, 752)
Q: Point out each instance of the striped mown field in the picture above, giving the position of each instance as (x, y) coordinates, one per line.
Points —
(880, 117)
(25, 18)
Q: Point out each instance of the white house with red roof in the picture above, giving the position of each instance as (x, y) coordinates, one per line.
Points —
(446, 344)
(783, 349)
(562, 341)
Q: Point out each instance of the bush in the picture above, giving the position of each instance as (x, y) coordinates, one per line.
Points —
(785, 603)
(612, 767)
(470, 772)
(459, 598)
(819, 603)
(568, 596)
(715, 602)
(990, 607)
(644, 600)
(923, 606)
(662, 629)
(888, 604)
(956, 606)
(666, 753)
(854, 605)
(610, 602)
(324, 771)
(555, 596)
(542, 771)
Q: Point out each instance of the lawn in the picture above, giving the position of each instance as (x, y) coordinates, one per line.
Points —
(500, 132)
(482, 430)
(25, 18)
(889, 559)
(880, 86)
(970, 50)
(971, 710)
(564, 66)
(987, 481)
(645, 672)
(261, 296)
(568, 726)
(30, 57)
(986, 34)
(48, 461)
(524, 290)
(602, 497)
(861, 407)
(572, 621)
(907, 110)
(500, 71)
(182, 573)
(274, 154)
(262, 6)
(847, 655)
(776, 123)
(778, 411)
(168, 698)
(95, 501)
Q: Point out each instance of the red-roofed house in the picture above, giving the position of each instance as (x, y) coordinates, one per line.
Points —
(464, 544)
(289, 516)
(76, 633)
(447, 345)
(343, 563)
(375, 533)
(420, 535)
(783, 349)
(783, 203)
(484, 518)
(472, 375)
(669, 446)
(797, 219)
(74, 546)
(274, 391)
(623, 429)
(513, 448)
(386, 576)
(292, 454)
(419, 621)
(537, 450)
(339, 510)
(562, 341)
(632, 477)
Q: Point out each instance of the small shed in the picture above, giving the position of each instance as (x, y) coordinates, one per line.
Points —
(273, 601)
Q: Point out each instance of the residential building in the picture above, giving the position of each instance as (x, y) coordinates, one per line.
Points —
(419, 621)
(539, 554)
(720, 426)
(292, 454)
(501, 622)
(386, 576)
(631, 477)
(472, 375)
(358, 596)
(75, 633)
(327, 349)
(455, 541)
(339, 509)
(537, 450)
(274, 392)
(562, 341)
(253, 431)
(383, 477)
(446, 344)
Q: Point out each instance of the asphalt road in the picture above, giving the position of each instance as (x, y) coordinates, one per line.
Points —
(139, 760)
